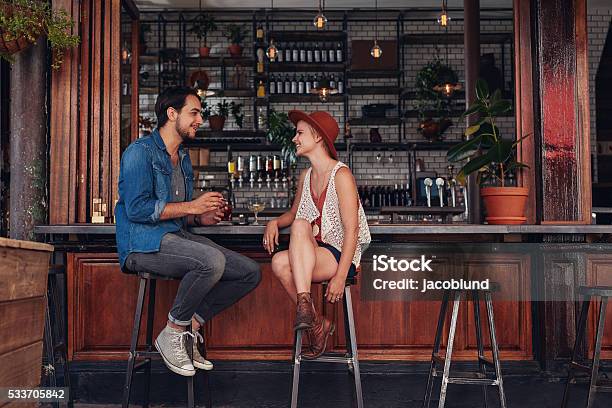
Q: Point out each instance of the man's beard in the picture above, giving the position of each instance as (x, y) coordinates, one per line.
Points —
(183, 132)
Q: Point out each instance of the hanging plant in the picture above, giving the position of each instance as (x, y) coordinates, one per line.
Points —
(433, 107)
(22, 22)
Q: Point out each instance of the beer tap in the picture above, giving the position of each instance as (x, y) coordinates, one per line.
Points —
(276, 167)
(452, 184)
(240, 169)
(268, 171)
(284, 174)
(428, 183)
(260, 169)
(440, 184)
(252, 169)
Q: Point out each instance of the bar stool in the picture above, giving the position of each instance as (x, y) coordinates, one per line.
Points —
(350, 357)
(603, 292)
(465, 378)
(150, 352)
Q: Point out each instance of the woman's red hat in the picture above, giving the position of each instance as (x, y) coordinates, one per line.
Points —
(324, 123)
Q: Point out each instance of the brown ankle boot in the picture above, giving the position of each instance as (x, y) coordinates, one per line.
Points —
(318, 336)
(305, 316)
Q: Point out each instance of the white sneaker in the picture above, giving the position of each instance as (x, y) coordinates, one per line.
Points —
(198, 360)
(171, 346)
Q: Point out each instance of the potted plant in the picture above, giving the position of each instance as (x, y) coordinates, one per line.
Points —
(433, 107)
(202, 25)
(236, 33)
(22, 22)
(217, 114)
(493, 158)
(281, 132)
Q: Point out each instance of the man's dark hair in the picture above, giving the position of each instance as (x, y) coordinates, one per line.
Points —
(173, 97)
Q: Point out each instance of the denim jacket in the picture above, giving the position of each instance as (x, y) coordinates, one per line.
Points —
(145, 180)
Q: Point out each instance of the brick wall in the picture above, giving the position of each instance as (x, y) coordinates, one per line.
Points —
(366, 167)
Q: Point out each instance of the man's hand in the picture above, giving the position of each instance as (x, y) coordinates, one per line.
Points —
(211, 217)
(207, 202)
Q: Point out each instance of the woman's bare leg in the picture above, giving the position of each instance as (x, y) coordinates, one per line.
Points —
(282, 270)
(302, 255)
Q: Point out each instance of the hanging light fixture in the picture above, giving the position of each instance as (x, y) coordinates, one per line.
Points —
(324, 90)
(444, 18)
(199, 79)
(447, 79)
(320, 20)
(376, 51)
(272, 51)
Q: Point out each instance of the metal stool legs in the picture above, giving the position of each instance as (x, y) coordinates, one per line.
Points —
(574, 365)
(149, 353)
(350, 357)
(479, 378)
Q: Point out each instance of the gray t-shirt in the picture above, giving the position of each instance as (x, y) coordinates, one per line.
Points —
(178, 185)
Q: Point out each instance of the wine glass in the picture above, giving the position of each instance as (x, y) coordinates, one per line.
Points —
(256, 205)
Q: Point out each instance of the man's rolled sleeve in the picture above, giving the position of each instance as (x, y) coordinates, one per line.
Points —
(136, 186)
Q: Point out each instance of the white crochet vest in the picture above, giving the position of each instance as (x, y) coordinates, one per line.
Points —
(332, 231)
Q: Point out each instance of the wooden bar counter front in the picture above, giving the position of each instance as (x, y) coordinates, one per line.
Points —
(101, 299)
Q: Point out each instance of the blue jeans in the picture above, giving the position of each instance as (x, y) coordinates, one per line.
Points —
(212, 277)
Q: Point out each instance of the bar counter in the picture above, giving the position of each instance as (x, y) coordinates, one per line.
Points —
(100, 299)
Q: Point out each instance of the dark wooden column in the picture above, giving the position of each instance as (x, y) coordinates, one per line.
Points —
(28, 141)
(563, 130)
(471, 40)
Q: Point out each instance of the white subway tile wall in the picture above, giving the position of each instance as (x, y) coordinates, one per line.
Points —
(366, 167)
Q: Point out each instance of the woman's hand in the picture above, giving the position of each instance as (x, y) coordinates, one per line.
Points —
(335, 288)
(270, 237)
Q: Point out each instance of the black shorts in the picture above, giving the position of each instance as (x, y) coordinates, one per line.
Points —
(352, 270)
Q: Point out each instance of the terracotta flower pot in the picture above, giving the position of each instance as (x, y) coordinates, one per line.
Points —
(235, 50)
(216, 122)
(505, 205)
(204, 51)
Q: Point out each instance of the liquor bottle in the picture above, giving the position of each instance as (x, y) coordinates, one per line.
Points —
(287, 84)
(279, 52)
(401, 196)
(408, 196)
(279, 85)
(295, 53)
(261, 90)
(288, 52)
(315, 81)
(272, 85)
(294, 85)
(340, 85)
(259, 33)
(302, 53)
(301, 85)
(308, 84)
(260, 60)
(309, 53)
(339, 52)
(332, 54)
(372, 197)
(395, 200)
(332, 82)
(317, 53)
(388, 196)
(324, 53)
(231, 165)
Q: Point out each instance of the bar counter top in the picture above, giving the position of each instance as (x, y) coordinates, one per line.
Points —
(375, 229)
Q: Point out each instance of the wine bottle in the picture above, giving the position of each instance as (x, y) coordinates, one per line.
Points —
(295, 53)
(302, 53)
(301, 85)
(332, 54)
(324, 53)
(279, 52)
(272, 85)
(309, 53)
(339, 52)
(287, 84)
(317, 53)
(288, 52)
(294, 85)
(340, 85)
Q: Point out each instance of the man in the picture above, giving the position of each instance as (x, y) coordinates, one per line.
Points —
(154, 208)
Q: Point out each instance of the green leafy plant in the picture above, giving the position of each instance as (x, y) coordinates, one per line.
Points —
(486, 152)
(223, 109)
(281, 132)
(432, 106)
(30, 19)
(236, 33)
(202, 25)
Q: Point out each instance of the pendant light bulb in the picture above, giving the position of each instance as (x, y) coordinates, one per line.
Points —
(272, 51)
(320, 20)
(376, 51)
(443, 18)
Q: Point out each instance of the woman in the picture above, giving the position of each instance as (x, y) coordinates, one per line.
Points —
(329, 230)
